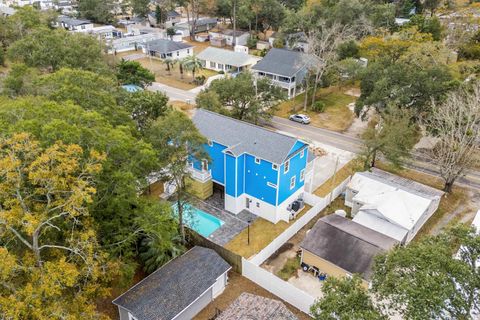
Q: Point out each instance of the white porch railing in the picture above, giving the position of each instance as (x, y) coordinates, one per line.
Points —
(200, 175)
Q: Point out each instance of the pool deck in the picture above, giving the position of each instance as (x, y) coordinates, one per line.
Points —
(233, 224)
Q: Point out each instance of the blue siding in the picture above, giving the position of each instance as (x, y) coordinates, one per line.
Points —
(297, 163)
(217, 163)
(297, 146)
(256, 178)
(240, 173)
(230, 175)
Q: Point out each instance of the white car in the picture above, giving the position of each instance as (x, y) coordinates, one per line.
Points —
(301, 118)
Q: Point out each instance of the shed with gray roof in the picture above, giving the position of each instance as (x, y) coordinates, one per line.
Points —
(339, 247)
(242, 137)
(178, 290)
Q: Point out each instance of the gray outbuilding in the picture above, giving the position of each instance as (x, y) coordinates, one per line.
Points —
(178, 290)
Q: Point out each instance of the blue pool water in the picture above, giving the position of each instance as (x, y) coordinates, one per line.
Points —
(198, 220)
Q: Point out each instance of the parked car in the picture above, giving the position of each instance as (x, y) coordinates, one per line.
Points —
(301, 118)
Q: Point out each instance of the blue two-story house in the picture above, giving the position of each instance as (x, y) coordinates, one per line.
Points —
(259, 170)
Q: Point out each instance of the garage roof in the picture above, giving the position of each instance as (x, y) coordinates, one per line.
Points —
(172, 288)
(346, 244)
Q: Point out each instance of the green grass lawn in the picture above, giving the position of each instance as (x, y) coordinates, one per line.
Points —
(337, 116)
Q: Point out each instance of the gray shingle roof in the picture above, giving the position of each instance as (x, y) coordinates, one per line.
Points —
(242, 137)
(346, 244)
(166, 46)
(250, 306)
(236, 59)
(283, 62)
(170, 289)
(72, 21)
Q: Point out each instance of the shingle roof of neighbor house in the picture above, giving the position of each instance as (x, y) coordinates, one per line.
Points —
(346, 244)
(169, 290)
(283, 62)
(73, 21)
(236, 59)
(250, 306)
(166, 46)
(242, 137)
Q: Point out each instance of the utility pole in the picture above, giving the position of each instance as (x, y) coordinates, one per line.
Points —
(234, 42)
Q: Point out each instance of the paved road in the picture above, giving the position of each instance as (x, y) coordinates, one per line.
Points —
(174, 94)
(353, 144)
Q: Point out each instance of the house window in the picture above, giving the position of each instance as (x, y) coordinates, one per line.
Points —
(178, 53)
(210, 143)
(271, 185)
(302, 175)
(188, 50)
(213, 64)
(302, 154)
(274, 166)
(220, 66)
(257, 160)
(286, 166)
(292, 182)
(258, 204)
(204, 165)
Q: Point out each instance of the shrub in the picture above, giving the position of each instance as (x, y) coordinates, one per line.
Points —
(318, 106)
(200, 80)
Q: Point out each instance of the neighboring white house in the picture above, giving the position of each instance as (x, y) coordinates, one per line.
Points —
(287, 69)
(103, 32)
(227, 35)
(225, 60)
(163, 48)
(172, 18)
(389, 204)
(131, 42)
(6, 11)
(73, 24)
(178, 290)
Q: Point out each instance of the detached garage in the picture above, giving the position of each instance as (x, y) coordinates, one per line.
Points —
(178, 290)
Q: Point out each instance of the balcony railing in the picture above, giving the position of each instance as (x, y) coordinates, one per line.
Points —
(200, 175)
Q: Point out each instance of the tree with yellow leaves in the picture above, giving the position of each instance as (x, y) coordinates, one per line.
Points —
(50, 263)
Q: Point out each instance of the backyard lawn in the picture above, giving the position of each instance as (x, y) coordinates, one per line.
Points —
(262, 232)
(173, 78)
(337, 116)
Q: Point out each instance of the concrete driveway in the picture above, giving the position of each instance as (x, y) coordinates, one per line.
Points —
(174, 94)
(307, 282)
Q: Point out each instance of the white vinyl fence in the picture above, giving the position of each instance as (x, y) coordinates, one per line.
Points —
(251, 268)
(318, 205)
(282, 289)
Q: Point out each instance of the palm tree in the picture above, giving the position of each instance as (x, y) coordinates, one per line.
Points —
(169, 62)
(193, 64)
(180, 67)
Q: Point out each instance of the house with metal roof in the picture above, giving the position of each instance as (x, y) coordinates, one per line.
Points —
(254, 168)
(201, 25)
(390, 204)
(228, 35)
(340, 247)
(287, 69)
(178, 290)
(171, 18)
(225, 60)
(163, 48)
(251, 306)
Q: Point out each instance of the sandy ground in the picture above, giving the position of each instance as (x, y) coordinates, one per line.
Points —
(237, 285)
(465, 212)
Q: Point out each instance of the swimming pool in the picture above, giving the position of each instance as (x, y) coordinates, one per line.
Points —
(198, 220)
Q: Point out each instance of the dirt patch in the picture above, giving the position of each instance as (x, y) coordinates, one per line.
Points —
(236, 286)
(285, 247)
